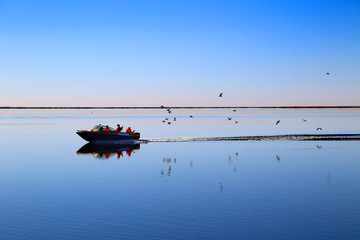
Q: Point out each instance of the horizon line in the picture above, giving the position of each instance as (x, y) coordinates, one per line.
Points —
(184, 107)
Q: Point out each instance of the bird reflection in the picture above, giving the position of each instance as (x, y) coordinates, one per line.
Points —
(105, 151)
(221, 187)
(168, 168)
(169, 171)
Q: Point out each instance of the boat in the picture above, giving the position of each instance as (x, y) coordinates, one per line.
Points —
(97, 135)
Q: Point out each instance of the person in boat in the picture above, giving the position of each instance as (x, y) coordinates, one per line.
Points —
(107, 128)
(119, 128)
(128, 130)
(101, 128)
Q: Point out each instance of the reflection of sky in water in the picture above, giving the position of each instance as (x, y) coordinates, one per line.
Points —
(186, 190)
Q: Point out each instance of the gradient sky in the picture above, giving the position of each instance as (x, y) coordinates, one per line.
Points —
(179, 53)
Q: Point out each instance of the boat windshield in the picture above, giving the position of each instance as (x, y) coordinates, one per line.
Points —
(101, 127)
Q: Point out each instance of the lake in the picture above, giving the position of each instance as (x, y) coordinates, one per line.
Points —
(54, 187)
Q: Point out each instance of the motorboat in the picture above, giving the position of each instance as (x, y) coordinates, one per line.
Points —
(97, 134)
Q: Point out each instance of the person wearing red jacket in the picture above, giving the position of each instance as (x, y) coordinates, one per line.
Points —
(118, 128)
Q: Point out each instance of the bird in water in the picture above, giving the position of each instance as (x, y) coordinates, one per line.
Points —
(191, 116)
(236, 121)
(221, 94)
(304, 120)
(278, 121)
(319, 129)
(277, 157)
(229, 118)
(327, 73)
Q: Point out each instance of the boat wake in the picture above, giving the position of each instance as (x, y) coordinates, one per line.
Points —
(288, 137)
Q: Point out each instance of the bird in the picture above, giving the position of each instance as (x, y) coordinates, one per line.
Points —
(221, 94)
(304, 120)
(174, 118)
(319, 146)
(234, 110)
(277, 157)
(229, 118)
(327, 73)
(319, 129)
(166, 118)
(163, 121)
(278, 121)
(191, 116)
(236, 121)
(169, 122)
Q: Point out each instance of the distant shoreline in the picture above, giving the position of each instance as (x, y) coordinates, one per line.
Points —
(198, 107)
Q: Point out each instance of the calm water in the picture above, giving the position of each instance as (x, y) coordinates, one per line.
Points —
(179, 190)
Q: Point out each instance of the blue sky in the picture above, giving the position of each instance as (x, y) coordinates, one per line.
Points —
(179, 53)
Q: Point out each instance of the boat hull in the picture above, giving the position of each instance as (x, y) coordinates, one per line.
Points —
(107, 136)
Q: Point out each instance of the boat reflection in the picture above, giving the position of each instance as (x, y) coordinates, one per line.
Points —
(105, 151)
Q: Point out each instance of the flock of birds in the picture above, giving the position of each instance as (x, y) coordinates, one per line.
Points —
(318, 129)
(166, 120)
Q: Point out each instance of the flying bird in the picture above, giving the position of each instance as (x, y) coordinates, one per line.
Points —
(319, 129)
(277, 122)
(220, 95)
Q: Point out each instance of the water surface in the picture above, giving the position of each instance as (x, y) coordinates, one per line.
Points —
(179, 190)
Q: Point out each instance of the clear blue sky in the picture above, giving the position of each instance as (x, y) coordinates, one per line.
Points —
(179, 53)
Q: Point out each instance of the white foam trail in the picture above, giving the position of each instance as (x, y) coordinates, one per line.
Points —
(289, 137)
